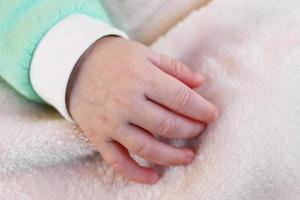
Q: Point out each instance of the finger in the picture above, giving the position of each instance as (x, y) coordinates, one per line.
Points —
(156, 119)
(148, 147)
(176, 96)
(121, 162)
(176, 69)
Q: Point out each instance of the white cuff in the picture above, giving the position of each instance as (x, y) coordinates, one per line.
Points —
(59, 51)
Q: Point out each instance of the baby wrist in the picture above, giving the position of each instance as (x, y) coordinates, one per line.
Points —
(58, 52)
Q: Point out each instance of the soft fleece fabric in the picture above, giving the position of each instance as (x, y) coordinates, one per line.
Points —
(23, 24)
(147, 21)
(250, 53)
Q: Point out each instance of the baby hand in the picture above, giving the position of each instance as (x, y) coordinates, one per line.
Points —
(121, 93)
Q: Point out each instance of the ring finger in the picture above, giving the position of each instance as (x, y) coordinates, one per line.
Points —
(145, 145)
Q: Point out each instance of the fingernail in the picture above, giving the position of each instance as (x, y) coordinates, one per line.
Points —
(190, 157)
(215, 115)
(154, 179)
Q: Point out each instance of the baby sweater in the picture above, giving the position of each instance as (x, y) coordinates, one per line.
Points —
(41, 41)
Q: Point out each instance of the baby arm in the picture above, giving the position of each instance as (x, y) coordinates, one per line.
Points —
(24, 24)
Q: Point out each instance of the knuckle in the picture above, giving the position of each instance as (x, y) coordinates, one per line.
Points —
(163, 59)
(182, 99)
(177, 67)
(167, 127)
(142, 150)
(174, 65)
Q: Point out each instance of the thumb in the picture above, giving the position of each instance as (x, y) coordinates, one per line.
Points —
(176, 69)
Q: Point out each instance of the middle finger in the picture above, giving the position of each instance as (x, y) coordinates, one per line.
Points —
(156, 119)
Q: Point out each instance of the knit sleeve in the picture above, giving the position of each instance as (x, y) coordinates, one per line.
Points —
(23, 23)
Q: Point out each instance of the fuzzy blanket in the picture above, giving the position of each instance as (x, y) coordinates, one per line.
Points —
(249, 52)
(146, 21)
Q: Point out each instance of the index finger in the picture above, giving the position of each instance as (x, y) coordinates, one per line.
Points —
(176, 96)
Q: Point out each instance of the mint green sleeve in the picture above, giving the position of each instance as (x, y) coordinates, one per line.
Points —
(23, 23)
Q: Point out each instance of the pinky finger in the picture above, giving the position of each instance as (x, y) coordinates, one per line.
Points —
(118, 157)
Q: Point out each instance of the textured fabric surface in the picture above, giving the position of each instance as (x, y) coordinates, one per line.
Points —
(144, 20)
(249, 52)
(23, 24)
